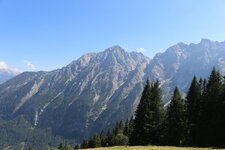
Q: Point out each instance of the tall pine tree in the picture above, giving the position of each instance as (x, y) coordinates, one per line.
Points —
(176, 120)
(139, 135)
(149, 117)
(193, 109)
(156, 116)
(221, 118)
(209, 121)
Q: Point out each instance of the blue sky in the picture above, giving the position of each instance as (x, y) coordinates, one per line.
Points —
(49, 34)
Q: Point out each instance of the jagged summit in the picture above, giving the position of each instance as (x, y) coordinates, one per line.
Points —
(206, 41)
(114, 56)
(98, 89)
(115, 48)
(117, 51)
(182, 44)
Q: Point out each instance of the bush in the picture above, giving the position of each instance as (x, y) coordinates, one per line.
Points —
(120, 140)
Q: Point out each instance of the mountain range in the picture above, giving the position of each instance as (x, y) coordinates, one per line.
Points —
(98, 89)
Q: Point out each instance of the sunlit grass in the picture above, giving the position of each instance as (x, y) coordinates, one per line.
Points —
(149, 148)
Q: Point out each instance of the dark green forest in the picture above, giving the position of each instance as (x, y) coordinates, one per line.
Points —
(19, 129)
(198, 120)
(19, 134)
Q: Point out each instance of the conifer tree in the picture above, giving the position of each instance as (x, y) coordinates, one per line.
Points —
(103, 139)
(193, 109)
(109, 137)
(119, 128)
(149, 117)
(204, 86)
(120, 140)
(131, 126)
(155, 116)
(77, 146)
(176, 120)
(84, 144)
(94, 142)
(209, 114)
(139, 135)
(126, 128)
(221, 118)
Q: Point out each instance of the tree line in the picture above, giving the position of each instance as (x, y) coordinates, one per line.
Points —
(119, 136)
(196, 120)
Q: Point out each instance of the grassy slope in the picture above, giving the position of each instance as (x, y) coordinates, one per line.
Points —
(150, 148)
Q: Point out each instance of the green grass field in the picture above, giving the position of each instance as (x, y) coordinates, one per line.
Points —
(149, 148)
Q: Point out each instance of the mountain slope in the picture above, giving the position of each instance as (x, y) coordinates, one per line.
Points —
(98, 89)
(178, 65)
(18, 134)
(73, 100)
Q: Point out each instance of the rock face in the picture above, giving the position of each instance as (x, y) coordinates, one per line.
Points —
(178, 65)
(98, 89)
(81, 97)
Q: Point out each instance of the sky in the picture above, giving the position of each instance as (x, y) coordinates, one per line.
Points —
(49, 34)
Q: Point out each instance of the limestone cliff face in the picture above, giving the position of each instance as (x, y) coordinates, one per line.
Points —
(98, 89)
(89, 94)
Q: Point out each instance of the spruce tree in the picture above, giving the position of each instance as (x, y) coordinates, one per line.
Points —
(126, 128)
(155, 116)
(94, 142)
(176, 120)
(131, 126)
(149, 117)
(221, 118)
(77, 147)
(209, 121)
(139, 135)
(120, 140)
(84, 144)
(109, 137)
(118, 128)
(103, 139)
(193, 109)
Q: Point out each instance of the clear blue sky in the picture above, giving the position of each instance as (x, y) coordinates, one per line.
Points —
(52, 33)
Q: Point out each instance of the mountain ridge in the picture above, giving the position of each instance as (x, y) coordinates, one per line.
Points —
(98, 89)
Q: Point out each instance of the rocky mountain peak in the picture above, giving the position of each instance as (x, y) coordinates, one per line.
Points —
(115, 49)
(205, 41)
(96, 90)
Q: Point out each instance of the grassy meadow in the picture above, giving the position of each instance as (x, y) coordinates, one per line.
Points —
(149, 148)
